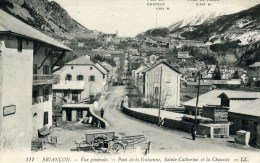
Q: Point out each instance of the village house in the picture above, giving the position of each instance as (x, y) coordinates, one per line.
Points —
(208, 72)
(150, 45)
(234, 99)
(205, 86)
(111, 72)
(190, 106)
(183, 56)
(247, 117)
(190, 43)
(136, 74)
(27, 57)
(227, 98)
(243, 109)
(256, 68)
(80, 79)
(170, 84)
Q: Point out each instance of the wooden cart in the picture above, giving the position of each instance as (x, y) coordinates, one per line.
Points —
(106, 141)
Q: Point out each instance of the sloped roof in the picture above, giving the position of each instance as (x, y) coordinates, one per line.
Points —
(251, 108)
(85, 60)
(234, 82)
(161, 62)
(103, 69)
(107, 66)
(240, 95)
(196, 83)
(141, 68)
(69, 85)
(256, 64)
(80, 61)
(10, 24)
(209, 98)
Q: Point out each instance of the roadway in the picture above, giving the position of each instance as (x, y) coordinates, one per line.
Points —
(163, 140)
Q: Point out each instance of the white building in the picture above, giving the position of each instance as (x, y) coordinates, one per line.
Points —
(170, 84)
(26, 61)
(75, 73)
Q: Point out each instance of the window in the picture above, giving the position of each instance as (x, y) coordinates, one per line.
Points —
(45, 95)
(35, 67)
(80, 77)
(92, 78)
(79, 114)
(36, 98)
(156, 91)
(45, 118)
(54, 97)
(68, 77)
(91, 68)
(19, 45)
(75, 96)
(71, 67)
(65, 94)
(46, 69)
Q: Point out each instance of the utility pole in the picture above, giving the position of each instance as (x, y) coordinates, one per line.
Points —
(198, 92)
(159, 114)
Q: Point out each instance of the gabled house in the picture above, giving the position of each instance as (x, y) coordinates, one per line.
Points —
(247, 117)
(27, 57)
(170, 84)
(234, 99)
(256, 67)
(74, 74)
(111, 72)
(137, 75)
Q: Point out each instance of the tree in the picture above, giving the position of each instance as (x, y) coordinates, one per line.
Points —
(217, 73)
(235, 75)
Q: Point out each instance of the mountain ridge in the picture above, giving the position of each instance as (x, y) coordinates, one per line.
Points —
(48, 17)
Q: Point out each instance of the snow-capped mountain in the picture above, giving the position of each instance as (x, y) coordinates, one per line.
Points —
(200, 16)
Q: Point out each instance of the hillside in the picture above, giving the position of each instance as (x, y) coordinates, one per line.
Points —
(232, 39)
(201, 15)
(46, 16)
(237, 34)
(243, 26)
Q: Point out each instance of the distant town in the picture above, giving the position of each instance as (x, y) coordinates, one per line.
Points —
(111, 94)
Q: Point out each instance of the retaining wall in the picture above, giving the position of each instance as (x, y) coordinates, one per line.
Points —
(170, 123)
(103, 122)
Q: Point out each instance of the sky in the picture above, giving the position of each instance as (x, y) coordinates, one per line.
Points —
(130, 17)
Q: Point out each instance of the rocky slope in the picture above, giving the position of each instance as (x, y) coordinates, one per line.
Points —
(242, 26)
(46, 16)
(200, 16)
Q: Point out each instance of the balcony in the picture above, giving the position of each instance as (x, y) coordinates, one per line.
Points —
(40, 79)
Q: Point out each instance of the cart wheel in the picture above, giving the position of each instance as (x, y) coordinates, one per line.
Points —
(118, 148)
(98, 143)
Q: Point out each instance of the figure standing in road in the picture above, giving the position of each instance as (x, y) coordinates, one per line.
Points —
(102, 113)
(193, 132)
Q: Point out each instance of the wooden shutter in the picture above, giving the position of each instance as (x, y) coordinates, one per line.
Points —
(45, 118)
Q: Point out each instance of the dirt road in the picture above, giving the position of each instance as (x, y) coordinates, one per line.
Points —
(162, 139)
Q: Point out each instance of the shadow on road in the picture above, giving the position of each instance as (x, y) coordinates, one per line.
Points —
(187, 138)
(85, 149)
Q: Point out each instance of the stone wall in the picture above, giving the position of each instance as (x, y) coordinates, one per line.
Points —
(170, 123)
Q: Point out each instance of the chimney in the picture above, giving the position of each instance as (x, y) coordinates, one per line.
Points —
(87, 56)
